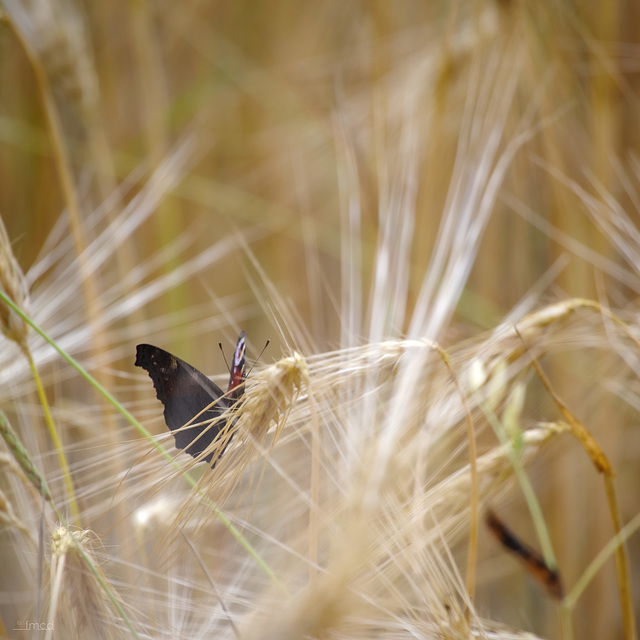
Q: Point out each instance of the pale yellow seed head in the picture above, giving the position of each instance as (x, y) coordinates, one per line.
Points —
(12, 283)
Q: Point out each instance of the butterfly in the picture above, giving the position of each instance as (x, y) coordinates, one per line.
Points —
(186, 394)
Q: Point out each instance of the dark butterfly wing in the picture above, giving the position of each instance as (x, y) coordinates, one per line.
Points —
(184, 392)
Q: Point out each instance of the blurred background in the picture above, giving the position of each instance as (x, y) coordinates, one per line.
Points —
(174, 172)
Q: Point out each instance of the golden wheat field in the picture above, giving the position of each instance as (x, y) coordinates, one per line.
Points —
(432, 212)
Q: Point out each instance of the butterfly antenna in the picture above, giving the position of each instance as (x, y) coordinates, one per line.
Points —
(266, 344)
(225, 357)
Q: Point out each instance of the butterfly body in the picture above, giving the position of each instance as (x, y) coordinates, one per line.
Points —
(189, 397)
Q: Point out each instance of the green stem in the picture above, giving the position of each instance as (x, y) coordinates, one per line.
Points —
(598, 562)
(527, 489)
(22, 457)
(55, 437)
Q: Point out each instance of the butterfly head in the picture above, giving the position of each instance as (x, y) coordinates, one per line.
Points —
(236, 374)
